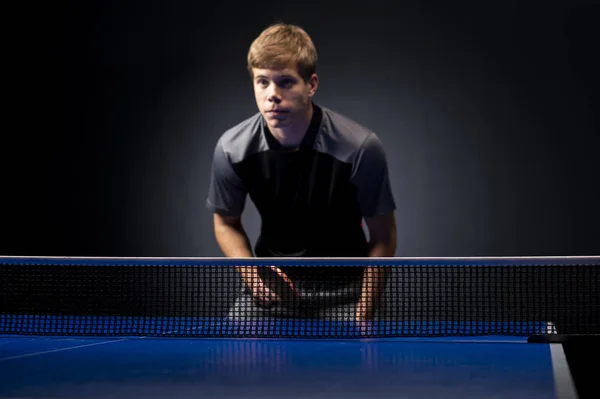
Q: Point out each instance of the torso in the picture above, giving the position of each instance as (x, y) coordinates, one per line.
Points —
(304, 196)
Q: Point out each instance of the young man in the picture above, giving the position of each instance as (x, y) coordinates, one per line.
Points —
(313, 175)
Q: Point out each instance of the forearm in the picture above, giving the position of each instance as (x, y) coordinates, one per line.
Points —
(382, 249)
(234, 243)
(374, 277)
(373, 284)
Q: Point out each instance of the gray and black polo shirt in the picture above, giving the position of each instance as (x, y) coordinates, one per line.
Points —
(311, 199)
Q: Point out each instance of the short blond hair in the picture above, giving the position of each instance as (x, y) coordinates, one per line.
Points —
(281, 44)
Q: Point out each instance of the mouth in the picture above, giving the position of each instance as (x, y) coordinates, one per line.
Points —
(277, 111)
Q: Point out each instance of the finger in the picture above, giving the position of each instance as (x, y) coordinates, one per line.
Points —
(274, 297)
(265, 297)
(262, 301)
(285, 278)
(269, 295)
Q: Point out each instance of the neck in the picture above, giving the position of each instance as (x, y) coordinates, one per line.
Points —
(293, 135)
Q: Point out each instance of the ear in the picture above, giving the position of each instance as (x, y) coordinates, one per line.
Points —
(313, 84)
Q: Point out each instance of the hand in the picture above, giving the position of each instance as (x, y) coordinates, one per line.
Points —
(363, 321)
(364, 311)
(262, 294)
(372, 287)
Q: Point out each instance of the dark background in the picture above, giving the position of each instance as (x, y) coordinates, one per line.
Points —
(488, 112)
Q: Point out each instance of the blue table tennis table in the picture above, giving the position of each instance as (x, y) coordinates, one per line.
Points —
(153, 367)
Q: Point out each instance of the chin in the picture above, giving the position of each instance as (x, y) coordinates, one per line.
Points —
(274, 123)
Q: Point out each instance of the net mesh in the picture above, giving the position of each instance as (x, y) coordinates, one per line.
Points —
(308, 298)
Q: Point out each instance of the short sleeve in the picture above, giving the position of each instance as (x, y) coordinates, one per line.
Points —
(371, 179)
(226, 193)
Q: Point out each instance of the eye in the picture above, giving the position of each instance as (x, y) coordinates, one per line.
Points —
(287, 82)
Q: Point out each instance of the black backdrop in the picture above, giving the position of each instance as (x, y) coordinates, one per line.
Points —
(488, 113)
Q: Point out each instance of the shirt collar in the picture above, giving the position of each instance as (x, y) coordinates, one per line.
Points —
(309, 137)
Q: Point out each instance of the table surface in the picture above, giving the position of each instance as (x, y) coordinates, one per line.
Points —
(126, 367)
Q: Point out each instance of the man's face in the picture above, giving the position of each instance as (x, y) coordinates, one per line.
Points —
(282, 96)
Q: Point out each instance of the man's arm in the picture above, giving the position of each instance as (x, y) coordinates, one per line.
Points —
(382, 235)
(234, 243)
(231, 236)
(382, 243)
(374, 194)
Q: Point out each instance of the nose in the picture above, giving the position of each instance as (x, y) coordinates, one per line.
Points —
(273, 94)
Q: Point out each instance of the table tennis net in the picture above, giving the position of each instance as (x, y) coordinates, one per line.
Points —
(220, 297)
